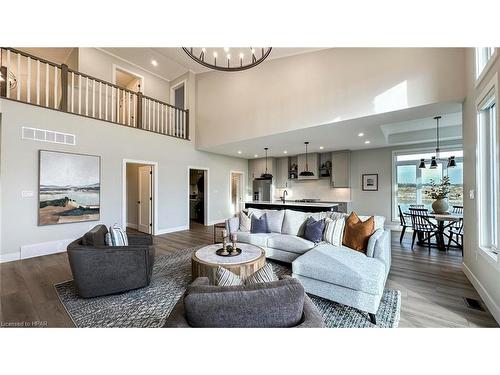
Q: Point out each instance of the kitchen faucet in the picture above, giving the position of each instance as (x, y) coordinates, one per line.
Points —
(285, 193)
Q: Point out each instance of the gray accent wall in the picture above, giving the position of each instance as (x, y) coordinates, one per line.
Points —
(114, 143)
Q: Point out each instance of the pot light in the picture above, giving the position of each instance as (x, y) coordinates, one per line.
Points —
(321, 147)
(361, 134)
(239, 152)
(367, 142)
(285, 152)
(154, 62)
(256, 156)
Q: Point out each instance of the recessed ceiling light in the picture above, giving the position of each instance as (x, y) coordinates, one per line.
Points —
(154, 62)
(361, 134)
(285, 152)
(239, 151)
(256, 156)
(366, 142)
(321, 147)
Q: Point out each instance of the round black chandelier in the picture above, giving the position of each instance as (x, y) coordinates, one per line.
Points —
(228, 59)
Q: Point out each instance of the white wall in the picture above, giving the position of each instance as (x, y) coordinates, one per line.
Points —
(323, 87)
(482, 271)
(99, 64)
(19, 172)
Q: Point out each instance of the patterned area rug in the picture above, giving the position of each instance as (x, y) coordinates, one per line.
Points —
(150, 306)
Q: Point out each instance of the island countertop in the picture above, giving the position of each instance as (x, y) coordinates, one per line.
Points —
(299, 206)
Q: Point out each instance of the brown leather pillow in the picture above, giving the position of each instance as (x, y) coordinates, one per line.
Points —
(357, 232)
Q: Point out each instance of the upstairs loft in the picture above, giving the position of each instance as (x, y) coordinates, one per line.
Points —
(33, 80)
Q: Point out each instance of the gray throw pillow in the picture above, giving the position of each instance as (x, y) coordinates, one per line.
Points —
(259, 225)
(314, 230)
(262, 275)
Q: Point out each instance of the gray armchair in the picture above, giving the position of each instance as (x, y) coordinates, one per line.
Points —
(100, 270)
(276, 304)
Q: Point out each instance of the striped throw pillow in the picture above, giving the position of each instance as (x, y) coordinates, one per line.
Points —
(227, 278)
(117, 236)
(334, 230)
(263, 275)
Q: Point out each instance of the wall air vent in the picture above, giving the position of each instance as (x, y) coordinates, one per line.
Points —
(50, 136)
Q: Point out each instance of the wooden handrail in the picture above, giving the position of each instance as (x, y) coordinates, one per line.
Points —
(26, 54)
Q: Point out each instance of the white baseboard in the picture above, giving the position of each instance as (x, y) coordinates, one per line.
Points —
(10, 257)
(490, 303)
(132, 225)
(44, 248)
(171, 230)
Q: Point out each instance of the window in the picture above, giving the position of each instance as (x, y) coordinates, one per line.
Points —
(487, 173)
(410, 182)
(483, 56)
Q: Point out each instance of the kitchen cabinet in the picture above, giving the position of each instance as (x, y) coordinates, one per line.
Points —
(341, 169)
(281, 172)
(313, 165)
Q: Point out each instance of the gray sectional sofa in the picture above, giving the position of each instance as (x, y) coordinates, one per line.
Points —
(333, 272)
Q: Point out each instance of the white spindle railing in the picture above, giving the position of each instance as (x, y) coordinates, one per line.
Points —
(87, 96)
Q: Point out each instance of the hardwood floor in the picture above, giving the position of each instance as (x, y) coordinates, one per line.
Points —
(432, 286)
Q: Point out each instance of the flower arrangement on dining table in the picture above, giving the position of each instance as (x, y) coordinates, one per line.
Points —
(439, 192)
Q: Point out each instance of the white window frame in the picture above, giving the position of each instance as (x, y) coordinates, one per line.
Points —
(395, 154)
(489, 93)
(481, 73)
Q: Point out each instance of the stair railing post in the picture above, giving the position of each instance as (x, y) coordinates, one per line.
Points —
(4, 82)
(139, 110)
(64, 88)
(187, 124)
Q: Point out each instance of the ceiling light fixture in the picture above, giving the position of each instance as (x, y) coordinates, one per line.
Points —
(321, 147)
(361, 134)
(367, 142)
(154, 62)
(256, 156)
(285, 152)
(239, 152)
(307, 172)
(266, 175)
(253, 59)
(436, 158)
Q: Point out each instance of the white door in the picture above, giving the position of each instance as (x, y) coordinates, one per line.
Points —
(236, 192)
(145, 199)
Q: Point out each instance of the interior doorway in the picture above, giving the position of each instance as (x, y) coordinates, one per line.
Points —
(140, 196)
(131, 81)
(236, 192)
(198, 197)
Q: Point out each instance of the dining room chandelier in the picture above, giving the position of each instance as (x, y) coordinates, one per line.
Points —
(228, 59)
(435, 159)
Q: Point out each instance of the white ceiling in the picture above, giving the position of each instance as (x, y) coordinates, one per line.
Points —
(409, 126)
(173, 62)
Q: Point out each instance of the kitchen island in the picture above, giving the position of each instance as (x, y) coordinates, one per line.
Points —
(292, 205)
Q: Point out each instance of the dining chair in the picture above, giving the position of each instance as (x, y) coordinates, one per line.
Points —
(422, 226)
(456, 230)
(404, 225)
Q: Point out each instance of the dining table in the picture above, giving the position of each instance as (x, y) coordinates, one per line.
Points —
(443, 221)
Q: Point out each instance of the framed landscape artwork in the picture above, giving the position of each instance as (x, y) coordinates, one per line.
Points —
(370, 182)
(69, 187)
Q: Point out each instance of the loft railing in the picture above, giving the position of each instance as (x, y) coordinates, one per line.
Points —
(33, 80)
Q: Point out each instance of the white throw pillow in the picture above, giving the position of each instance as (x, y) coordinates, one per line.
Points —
(245, 222)
(117, 236)
(227, 278)
(334, 231)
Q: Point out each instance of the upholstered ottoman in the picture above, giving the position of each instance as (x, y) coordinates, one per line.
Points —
(342, 275)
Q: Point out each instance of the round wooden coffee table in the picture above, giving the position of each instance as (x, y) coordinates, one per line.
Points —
(204, 261)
